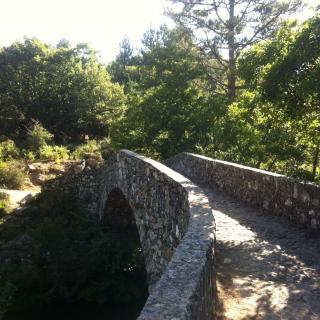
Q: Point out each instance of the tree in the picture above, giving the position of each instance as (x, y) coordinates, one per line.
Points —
(64, 43)
(169, 109)
(293, 79)
(118, 69)
(224, 28)
(38, 137)
(66, 89)
(282, 75)
(292, 83)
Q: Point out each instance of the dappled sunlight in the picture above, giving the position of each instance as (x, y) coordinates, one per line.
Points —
(250, 298)
(234, 233)
(266, 268)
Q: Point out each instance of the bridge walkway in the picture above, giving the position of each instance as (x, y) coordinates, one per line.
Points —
(266, 267)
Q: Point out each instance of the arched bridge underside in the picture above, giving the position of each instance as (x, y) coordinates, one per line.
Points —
(265, 267)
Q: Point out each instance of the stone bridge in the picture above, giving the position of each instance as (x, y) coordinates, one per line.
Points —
(243, 246)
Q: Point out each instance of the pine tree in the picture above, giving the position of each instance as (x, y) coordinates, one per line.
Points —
(224, 28)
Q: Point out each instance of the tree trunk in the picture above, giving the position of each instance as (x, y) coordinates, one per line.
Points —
(258, 164)
(315, 163)
(231, 51)
(272, 163)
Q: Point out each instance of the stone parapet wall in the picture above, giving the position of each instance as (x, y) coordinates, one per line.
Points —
(297, 201)
(187, 288)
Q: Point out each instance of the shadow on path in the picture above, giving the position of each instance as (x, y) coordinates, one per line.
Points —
(266, 267)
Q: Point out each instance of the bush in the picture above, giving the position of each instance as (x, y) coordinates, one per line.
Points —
(4, 203)
(8, 150)
(12, 174)
(106, 149)
(38, 137)
(90, 147)
(74, 259)
(56, 153)
(8, 289)
(29, 155)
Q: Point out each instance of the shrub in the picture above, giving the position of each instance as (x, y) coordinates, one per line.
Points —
(29, 155)
(12, 174)
(4, 203)
(38, 136)
(8, 150)
(75, 259)
(8, 289)
(56, 153)
(90, 147)
(106, 149)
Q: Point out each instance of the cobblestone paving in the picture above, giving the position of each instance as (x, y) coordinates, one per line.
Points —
(266, 267)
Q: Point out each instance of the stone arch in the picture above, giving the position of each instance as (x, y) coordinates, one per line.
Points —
(117, 209)
(159, 205)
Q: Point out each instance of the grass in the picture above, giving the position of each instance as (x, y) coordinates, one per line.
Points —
(4, 203)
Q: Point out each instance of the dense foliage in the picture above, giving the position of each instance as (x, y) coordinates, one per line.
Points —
(70, 258)
(281, 104)
(272, 124)
(51, 100)
(169, 108)
(168, 97)
(65, 89)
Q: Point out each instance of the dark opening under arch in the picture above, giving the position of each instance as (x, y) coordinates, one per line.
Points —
(118, 211)
(119, 217)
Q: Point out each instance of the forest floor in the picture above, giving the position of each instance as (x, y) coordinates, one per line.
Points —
(38, 173)
(266, 267)
(19, 196)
